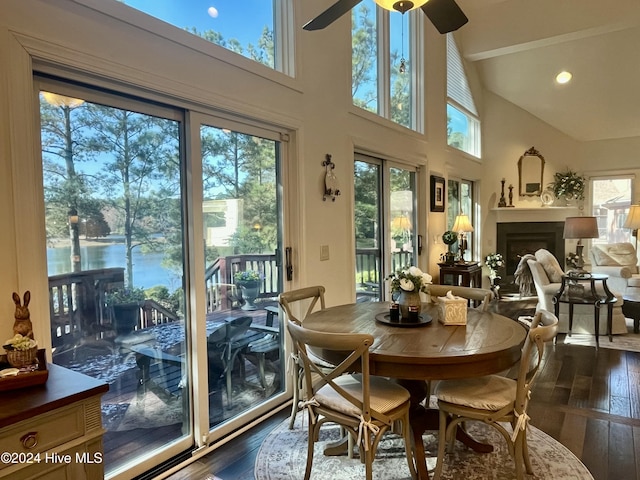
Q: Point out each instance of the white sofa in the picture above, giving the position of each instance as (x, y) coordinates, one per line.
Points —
(547, 278)
(619, 261)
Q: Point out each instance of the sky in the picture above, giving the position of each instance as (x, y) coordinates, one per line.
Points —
(243, 20)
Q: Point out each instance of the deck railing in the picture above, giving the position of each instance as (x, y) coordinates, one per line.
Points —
(368, 281)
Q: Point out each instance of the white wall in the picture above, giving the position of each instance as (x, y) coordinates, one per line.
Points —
(315, 107)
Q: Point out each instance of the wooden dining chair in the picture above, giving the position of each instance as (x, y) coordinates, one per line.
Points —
(305, 300)
(495, 399)
(479, 298)
(365, 406)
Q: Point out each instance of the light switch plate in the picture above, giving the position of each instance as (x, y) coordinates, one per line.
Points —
(324, 252)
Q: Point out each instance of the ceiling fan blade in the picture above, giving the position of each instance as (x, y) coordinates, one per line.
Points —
(445, 15)
(331, 14)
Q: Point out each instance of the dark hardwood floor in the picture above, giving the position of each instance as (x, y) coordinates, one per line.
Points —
(587, 399)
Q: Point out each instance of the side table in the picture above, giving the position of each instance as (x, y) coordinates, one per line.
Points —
(631, 306)
(573, 292)
(461, 274)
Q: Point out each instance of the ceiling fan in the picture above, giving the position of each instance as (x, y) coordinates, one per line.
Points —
(445, 15)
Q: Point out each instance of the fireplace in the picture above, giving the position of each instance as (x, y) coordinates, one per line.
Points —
(516, 239)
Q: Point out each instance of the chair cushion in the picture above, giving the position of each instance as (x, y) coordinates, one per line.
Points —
(492, 392)
(614, 254)
(550, 264)
(385, 395)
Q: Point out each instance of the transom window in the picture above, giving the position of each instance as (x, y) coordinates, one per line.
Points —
(251, 28)
(463, 125)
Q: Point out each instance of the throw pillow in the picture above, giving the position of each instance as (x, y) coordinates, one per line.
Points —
(550, 264)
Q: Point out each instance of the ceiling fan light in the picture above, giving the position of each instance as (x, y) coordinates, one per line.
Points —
(400, 5)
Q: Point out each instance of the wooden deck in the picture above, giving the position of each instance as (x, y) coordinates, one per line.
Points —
(109, 356)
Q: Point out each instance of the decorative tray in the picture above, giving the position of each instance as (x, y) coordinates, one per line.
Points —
(423, 319)
(26, 377)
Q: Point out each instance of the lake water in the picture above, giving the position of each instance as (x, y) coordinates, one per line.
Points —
(147, 268)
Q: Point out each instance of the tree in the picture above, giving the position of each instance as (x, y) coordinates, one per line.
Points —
(140, 156)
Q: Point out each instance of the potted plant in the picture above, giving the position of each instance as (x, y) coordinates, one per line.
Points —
(569, 185)
(125, 304)
(249, 283)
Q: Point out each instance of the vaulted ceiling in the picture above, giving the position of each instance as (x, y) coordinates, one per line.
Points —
(520, 45)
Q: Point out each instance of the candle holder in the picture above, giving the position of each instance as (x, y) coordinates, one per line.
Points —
(503, 201)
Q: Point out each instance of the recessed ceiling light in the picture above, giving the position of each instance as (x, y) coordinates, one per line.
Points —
(563, 77)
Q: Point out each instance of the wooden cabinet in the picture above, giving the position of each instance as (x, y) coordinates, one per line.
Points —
(53, 431)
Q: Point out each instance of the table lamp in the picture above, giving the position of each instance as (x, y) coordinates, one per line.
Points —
(633, 221)
(462, 225)
(580, 227)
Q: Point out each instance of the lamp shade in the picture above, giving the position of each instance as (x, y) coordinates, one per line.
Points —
(400, 5)
(633, 218)
(462, 224)
(581, 227)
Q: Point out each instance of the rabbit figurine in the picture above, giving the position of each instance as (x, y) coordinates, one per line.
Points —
(22, 325)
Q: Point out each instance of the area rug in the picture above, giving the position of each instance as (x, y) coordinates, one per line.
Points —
(282, 456)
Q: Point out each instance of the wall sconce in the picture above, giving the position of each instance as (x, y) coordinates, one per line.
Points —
(331, 188)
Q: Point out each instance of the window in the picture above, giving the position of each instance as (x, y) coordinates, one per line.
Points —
(384, 62)
(256, 35)
(610, 201)
(463, 126)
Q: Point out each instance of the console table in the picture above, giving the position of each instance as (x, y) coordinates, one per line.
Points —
(573, 292)
(461, 274)
(54, 430)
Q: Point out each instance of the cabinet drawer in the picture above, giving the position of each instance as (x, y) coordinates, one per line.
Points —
(43, 432)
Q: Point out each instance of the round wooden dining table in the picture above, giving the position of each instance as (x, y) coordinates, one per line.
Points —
(488, 343)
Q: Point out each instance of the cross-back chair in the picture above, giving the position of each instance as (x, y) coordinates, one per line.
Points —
(365, 406)
(306, 300)
(494, 399)
(479, 298)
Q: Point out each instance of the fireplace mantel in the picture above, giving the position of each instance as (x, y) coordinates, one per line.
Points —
(541, 214)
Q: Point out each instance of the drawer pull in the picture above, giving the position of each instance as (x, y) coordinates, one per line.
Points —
(29, 440)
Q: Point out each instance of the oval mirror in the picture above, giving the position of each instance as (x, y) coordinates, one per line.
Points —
(530, 173)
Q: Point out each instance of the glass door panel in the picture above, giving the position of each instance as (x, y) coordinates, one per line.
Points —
(241, 220)
(112, 171)
(368, 213)
(385, 219)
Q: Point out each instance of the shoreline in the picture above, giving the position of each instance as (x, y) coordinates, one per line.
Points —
(91, 242)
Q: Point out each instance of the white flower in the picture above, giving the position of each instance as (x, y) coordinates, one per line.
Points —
(406, 285)
(426, 279)
(415, 271)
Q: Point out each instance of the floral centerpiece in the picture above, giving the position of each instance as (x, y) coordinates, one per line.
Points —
(568, 184)
(406, 285)
(494, 261)
(572, 260)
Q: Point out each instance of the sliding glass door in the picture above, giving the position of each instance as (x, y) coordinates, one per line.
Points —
(385, 220)
(183, 327)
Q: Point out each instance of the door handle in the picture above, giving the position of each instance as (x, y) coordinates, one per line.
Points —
(419, 244)
(289, 266)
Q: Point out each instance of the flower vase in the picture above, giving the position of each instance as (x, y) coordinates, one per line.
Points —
(250, 291)
(408, 299)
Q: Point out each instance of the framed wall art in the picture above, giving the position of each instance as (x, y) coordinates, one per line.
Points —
(437, 194)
